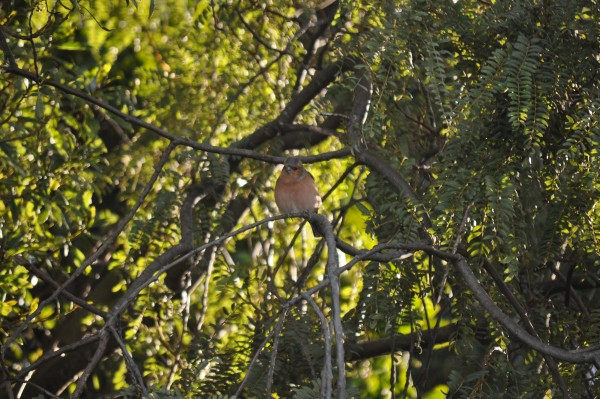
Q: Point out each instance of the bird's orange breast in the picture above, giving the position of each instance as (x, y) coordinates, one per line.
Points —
(296, 193)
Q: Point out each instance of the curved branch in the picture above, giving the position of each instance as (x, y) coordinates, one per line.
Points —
(138, 122)
(522, 312)
(588, 355)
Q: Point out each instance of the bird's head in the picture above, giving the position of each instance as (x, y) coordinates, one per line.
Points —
(293, 165)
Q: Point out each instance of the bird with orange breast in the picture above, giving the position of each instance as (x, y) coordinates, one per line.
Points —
(296, 190)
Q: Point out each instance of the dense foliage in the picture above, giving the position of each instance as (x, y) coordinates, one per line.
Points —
(456, 146)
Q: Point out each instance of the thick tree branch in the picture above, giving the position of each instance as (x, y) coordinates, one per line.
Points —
(586, 355)
(404, 342)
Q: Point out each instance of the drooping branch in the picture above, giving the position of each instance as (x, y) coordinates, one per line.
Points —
(326, 374)
(523, 314)
(586, 355)
(333, 266)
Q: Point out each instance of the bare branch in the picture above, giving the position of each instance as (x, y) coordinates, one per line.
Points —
(261, 347)
(585, 355)
(91, 365)
(523, 314)
(47, 279)
(274, 347)
(131, 366)
(588, 355)
(326, 374)
(403, 342)
(334, 282)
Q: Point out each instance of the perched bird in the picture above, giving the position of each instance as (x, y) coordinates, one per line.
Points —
(296, 190)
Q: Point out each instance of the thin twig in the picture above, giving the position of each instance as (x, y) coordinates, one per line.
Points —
(10, 57)
(204, 302)
(59, 352)
(131, 366)
(461, 230)
(274, 347)
(334, 282)
(87, 372)
(36, 386)
(326, 374)
(254, 359)
(258, 38)
(47, 279)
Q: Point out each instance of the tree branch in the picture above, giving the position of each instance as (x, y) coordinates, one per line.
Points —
(403, 342)
(87, 372)
(334, 282)
(326, 374)
(360, 108)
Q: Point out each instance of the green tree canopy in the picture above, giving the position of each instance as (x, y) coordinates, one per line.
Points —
(456, 147)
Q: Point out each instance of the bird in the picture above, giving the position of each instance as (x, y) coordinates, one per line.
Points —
(296, 190)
